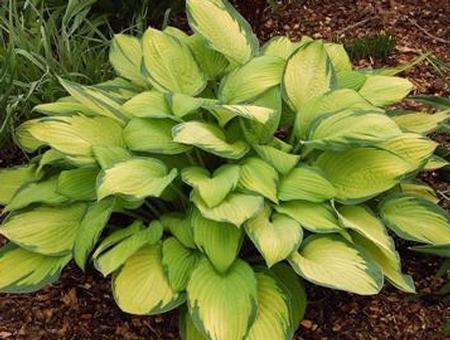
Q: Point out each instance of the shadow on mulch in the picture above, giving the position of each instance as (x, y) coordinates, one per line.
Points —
(80, 305)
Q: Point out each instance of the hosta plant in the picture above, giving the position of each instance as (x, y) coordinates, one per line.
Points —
(214, 174)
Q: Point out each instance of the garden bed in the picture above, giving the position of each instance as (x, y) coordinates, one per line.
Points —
(80, 305)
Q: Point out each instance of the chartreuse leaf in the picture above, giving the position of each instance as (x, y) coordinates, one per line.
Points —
(182, 104)
(282, 161)
(117, 236)
(223, 27)
(257, 113)
(413, 148)
(420, 189)
(416, 219)
(96, 100)
(218, 240)
(338, 131)
(141, 287)
(178, 262)
(280, 47)
(125, 56)
(331, 261)
(25, 139)
(352, 80)
(362, 220)
(170, 64)
(259, 177)
(179, 226)
(361, 173)
(208, 137)
(78, 184)
(149, 104)
(210, 61)
(45, 230)
(22, 271)
(92, 225)
(305, 183)
(113, 258)
(36, 192)
(388, 261)
(331, 102)
(442, 250)
(339, 57)
(50, 157)
(308, 74)
(273, 319)
(106, 156)
(384, 90)
(316, 217)
(294, 285)
(223, 306)
(275, 235)
(212, 188)
(152, 135)
(421, 122)
(435, 163)
(236, 208)
(188, 330)
(63, 106)
(75, 135)
(137, 178)
(251, 80)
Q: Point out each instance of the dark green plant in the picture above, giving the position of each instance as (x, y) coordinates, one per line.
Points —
(377, 46)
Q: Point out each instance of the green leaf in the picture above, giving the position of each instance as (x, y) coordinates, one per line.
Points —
(178, 262)
(420, 189)
(251, 80)
(137, 178)
(210, 295)
(117, 236)
(235, 209)
(413, 148)
(182, 105)
(141, 287)
(421, 122)
(416, 219)
(45, 230)
(273, 316)
(25, 139)
(257, 113)
(435, 163)
(330, 261)
(212, 188)
(259, 177)
(152, 135)
(305, 183)
(330, 102)
(125, 56)
(223, 27)
(442, 250)
(275, 235)
(22, 271)
(383, 90)
(339, 131)
(50, 158)
(208, 137)
(92, 225)
(308, 74)
(107, 156)
(282, 161)
(115, 257)
(352, 80)
(294, 285)
(188, 330)
(149, 104)
(388, 261)
(339, 57)
(76, 135)
(96, 100)
(316, 217)
(170, 64)
(279, 46)
(361, 173)
(78, 184)
(63, 106)
(36, 192)
(180, 227)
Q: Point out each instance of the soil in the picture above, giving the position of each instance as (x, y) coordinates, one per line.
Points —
(80, 306)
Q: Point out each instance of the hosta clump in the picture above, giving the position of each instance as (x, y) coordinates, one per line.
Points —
(240, 169)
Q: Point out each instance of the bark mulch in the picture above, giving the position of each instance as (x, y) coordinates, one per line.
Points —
(80, 305)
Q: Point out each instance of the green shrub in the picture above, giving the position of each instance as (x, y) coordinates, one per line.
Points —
(239, 168)
(376, 46)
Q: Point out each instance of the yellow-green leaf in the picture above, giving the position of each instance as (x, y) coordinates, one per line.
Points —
(259, 177)
(384, 90)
